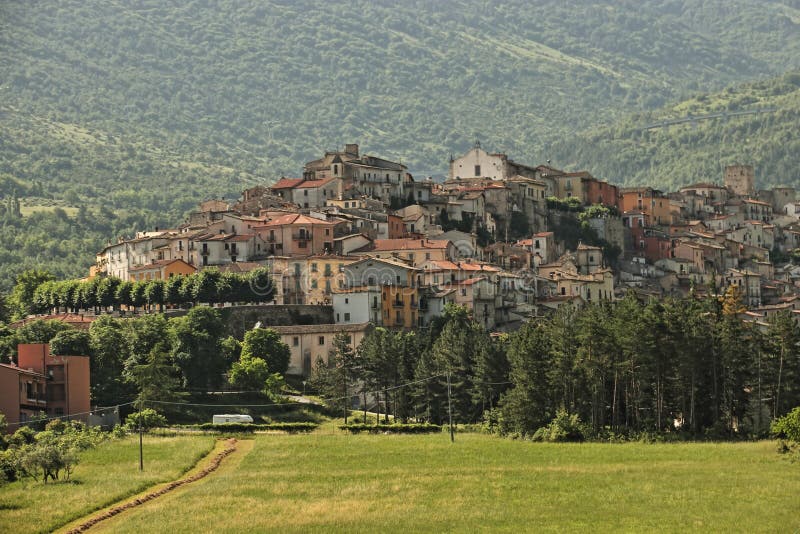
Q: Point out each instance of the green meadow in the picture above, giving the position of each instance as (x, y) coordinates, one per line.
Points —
(105, 475)
(393, 483)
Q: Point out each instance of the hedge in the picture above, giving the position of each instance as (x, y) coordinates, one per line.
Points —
(414, 428)
(252, 427)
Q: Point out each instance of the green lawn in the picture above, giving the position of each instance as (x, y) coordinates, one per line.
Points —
(364, 483)
(105, 474)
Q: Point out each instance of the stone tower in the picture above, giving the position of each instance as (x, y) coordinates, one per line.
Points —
(740, 179)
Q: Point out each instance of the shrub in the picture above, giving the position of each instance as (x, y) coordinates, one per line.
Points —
(563, 427)
(412, 428)
(252, 427)
(148, 418)
(24, 435)
(50, 456)
(788, 426)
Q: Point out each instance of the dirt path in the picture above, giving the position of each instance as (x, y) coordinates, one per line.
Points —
(203, 468)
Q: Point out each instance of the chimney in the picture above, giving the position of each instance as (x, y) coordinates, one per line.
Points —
(351, 148)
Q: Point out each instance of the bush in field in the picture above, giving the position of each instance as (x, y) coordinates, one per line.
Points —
(49, 454)
(148, 418)
(787, 429)
(788, 426)
(564, 427)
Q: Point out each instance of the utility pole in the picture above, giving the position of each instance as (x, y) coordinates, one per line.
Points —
(141, 453)
(450, 409)
(141, 431)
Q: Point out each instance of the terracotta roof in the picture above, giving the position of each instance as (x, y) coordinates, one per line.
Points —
(385, 245)
(294, 218)
(286, 183)
(470, 281)
(310, 184)
(155, 265)
(228, 237)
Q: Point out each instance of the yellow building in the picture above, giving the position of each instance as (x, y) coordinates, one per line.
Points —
(322, 275)
(160, 270)
(400, 306)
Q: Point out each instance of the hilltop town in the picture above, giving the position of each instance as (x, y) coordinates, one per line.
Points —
(368, 244)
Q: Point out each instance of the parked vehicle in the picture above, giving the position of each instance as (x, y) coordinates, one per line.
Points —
(231, 418)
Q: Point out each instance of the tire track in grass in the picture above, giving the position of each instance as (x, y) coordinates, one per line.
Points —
(213, 465)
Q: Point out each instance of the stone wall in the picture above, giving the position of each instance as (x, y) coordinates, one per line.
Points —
(239, 319)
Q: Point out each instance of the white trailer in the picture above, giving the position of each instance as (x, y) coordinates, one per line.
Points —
(231, 418)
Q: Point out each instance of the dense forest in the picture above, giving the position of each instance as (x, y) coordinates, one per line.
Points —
(144, 108)
(679, 367)
(672, 156)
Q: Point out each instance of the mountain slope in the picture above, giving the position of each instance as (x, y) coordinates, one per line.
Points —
(264, 86)
(679, 154)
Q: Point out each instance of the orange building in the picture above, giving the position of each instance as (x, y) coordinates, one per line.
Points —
(299, 235)
(67, 379)
(22, 395)
(647, 200)
(160, 270)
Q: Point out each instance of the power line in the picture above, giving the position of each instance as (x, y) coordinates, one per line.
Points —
(65, 416)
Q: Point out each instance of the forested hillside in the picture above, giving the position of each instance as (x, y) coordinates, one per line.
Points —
(148, 106)
(679, 154)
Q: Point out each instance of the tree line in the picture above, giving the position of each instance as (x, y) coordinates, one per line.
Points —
(687, 366)
(37, 292)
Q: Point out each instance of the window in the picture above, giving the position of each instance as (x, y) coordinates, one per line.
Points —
(427, 255)
(398, 318)
(536, 244)
(305, 192)
(563, 290)
(313, 284)
(327, 231)
(321, 340)
(295, 341)
(346, 317)
(477, 170)
(313, 267)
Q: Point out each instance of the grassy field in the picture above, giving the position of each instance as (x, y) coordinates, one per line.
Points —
(106, 474)
(340, 483)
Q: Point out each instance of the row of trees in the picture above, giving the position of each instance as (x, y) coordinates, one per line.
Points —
(686, 365)
(38, 292)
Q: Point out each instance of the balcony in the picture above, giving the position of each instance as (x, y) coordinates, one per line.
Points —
(397, 303)
(233, 251)
(205, 252)
(301, 237)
